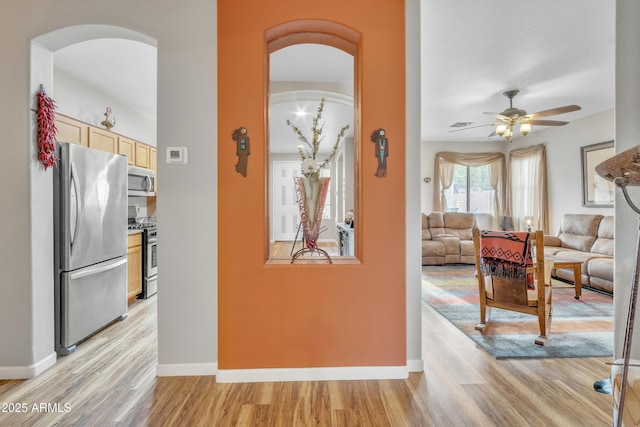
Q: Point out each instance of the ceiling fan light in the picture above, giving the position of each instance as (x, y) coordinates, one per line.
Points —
(508, 133)
(501, 129)
(525, 128)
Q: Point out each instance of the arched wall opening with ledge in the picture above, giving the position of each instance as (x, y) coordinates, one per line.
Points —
(287, 321)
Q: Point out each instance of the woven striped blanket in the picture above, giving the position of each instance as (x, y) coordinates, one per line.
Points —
(505, 254)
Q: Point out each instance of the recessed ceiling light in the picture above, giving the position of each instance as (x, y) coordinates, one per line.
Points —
(301, 113)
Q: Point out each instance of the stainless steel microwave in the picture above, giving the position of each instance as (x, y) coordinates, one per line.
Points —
(141, 182)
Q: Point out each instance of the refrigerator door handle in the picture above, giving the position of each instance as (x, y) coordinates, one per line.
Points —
(98, 269)
(73, 201)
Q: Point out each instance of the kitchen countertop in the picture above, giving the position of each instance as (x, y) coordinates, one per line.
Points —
(130, 232)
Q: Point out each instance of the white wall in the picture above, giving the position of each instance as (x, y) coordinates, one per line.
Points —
(82, 101)
(187, 116)
(42, 313)
(187, 109)
(187, 76)
(16, 310)
(415, 361)
(564, 167)
(564, 170)
(627, 128)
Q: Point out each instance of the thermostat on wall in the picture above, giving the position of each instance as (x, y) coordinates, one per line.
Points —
(177, 155)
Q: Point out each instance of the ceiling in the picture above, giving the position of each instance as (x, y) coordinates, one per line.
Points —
(124, 69)
(556, 53)
(300, 76)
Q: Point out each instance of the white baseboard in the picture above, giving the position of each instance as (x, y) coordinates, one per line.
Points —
(27, 372)
(415, 365)
(290, 374)
(186, 370)
(44, 364)
(312, 374)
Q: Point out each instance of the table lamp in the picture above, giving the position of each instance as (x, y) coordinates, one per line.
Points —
(528, 222)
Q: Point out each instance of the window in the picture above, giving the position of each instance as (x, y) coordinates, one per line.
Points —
(528, 187)
(471, 190)
(470, 182)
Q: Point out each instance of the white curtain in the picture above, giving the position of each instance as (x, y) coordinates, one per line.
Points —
(443, 178)
(445, 162)
(528, 195)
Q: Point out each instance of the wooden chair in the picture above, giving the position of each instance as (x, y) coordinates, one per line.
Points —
(511, 293)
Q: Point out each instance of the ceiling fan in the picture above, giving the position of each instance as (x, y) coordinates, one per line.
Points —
(512, 117)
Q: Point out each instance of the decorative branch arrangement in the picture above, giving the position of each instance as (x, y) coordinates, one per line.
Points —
(382, 151)
(310, 166)
(46, 123)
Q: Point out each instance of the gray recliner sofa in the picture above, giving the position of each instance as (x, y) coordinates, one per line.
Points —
(589, 239)
(447, 238)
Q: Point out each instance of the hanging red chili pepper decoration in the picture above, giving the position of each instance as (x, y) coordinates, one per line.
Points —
(46, 129)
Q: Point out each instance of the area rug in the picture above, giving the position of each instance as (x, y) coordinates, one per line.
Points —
(579, 328)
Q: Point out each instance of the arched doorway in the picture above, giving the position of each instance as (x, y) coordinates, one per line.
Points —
(76, 97)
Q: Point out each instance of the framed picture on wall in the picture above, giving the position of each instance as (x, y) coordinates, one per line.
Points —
(597, 192)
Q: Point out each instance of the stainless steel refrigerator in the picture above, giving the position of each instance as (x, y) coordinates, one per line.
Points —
(90, 229)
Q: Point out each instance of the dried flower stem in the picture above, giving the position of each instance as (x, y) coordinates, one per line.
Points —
(311, 150)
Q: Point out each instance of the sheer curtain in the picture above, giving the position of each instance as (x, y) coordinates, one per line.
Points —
(527, 181)
(443, 178)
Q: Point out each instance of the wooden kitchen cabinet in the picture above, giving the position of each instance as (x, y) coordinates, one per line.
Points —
(142, 155)
(104, 140)
(134, 266)
(127, 147)
(72, 130)
(77, 132)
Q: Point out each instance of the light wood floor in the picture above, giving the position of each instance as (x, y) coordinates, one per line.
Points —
(280, 249)
(110, 380)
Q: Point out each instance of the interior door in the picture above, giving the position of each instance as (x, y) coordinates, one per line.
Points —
(285, 216)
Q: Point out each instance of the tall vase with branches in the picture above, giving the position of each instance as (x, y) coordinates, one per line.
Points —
(311, 189)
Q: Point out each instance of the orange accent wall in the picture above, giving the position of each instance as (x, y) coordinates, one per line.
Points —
(296, 316)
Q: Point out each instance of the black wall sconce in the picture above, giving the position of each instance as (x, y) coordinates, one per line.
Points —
(382, 151)
(242, 149)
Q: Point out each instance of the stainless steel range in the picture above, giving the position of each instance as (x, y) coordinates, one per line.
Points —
(149, 254)
(150, 260)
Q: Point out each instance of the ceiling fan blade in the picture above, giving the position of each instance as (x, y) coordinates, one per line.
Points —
(470, 127)
(547, 122)
(554, 111)
(499, 116)
(492, 134)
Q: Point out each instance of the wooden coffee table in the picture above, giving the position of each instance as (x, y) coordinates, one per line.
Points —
(569, 264)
